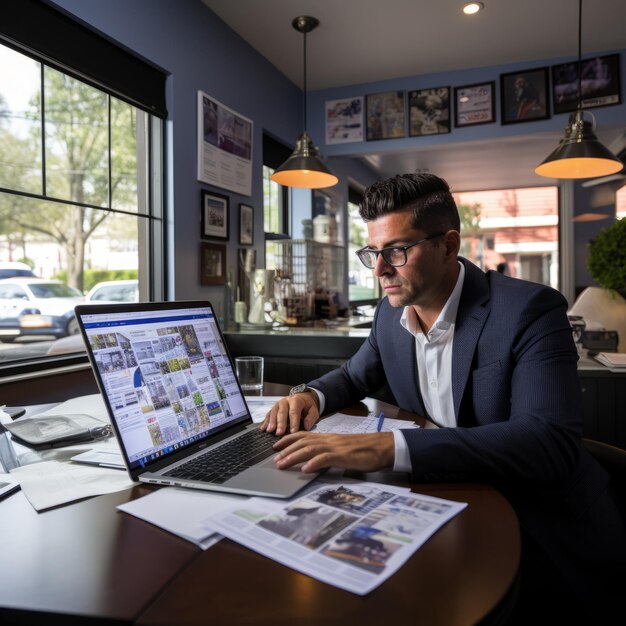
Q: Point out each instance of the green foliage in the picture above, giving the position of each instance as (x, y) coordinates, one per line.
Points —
(470, 218)
(607, 256)
(93, 277)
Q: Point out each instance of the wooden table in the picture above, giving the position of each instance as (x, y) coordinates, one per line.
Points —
(87, 561)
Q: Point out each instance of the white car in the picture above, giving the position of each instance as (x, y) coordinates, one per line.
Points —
(114, 291)
(36, 306)
(11, 269)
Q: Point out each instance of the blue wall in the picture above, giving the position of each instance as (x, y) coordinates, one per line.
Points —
(200, 52)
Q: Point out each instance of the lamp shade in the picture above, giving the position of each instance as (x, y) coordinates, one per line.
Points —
(304, 168)
(579, 154)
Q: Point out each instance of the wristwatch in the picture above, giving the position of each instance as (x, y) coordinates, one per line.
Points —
(301, 388)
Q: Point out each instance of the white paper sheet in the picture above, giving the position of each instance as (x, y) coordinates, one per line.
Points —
(182, 512)
(352, 424)
(260, 405)
(51, 483)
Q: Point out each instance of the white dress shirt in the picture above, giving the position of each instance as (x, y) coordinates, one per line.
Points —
(433, 352)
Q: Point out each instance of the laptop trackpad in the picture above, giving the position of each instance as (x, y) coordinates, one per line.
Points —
(266, 476)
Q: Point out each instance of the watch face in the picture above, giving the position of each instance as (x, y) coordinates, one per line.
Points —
(298, 389)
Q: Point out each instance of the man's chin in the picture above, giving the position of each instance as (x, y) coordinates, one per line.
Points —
(396, 300)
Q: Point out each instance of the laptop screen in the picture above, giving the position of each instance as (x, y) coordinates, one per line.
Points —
(166, 375)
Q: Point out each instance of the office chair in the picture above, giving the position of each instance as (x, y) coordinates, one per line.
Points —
(613, 460)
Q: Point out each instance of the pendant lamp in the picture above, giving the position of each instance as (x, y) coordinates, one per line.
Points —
(579, 154)
(304, 168)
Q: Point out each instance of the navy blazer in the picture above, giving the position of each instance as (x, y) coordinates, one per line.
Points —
(517, 402)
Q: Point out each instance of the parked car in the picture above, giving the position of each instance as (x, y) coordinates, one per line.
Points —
(114, 291)
(37, 307)
(11, 269)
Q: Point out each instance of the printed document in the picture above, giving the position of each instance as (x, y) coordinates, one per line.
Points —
(352, 424)
(353, 535)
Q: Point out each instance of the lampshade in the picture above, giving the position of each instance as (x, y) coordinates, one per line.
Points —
(580, 154)
(304, 168)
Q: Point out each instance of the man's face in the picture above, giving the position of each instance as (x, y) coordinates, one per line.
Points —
(420, 281)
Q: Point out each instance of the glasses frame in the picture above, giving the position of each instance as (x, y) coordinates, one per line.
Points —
(384, 252)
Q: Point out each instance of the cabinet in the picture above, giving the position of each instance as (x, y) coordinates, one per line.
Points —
(604, 404)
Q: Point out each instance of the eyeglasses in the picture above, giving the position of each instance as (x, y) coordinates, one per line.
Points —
(394, 255)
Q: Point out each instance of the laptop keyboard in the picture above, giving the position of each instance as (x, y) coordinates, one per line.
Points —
(219, 464)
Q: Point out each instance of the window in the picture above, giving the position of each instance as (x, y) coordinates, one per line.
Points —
(275, 197)
(363, 286)
(512, 230)
(80, 177)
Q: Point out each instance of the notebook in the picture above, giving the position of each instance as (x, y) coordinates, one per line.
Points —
(174, 401)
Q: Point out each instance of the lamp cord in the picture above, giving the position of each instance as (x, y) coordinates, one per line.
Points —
(580, 62)
(304, 99)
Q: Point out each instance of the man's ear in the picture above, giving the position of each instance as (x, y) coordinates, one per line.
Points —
(452, 242)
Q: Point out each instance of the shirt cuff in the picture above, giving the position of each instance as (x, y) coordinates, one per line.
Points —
(402, 462)
(322, 399)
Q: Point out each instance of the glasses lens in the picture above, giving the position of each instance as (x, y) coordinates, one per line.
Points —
(394, 256)
(367, 257)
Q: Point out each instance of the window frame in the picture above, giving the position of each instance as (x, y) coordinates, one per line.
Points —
(151, 223)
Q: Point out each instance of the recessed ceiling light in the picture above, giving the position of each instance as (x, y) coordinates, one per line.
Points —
(471, 8)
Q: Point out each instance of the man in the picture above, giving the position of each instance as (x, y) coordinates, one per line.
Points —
(490, 359)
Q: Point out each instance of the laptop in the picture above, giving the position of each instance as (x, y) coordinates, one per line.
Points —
(174, 400)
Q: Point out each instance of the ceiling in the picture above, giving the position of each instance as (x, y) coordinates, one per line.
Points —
(362, 41)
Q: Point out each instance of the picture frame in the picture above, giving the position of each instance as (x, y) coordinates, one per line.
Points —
(600, 83)
(246, 225)
(214, 215)
(212, 264)
(429, 111)
(385, 115)
(525, 96)
(475, 104)
(344, 120)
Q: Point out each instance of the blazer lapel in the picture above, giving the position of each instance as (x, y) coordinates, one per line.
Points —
(471, 317)
(404, 344)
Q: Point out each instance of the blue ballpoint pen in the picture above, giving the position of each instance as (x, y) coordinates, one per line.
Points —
(381, 419)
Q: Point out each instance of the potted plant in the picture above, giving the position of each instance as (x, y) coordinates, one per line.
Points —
(604, 307)
(607, 257)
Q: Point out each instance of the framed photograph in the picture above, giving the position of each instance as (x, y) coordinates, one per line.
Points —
(385, 115)
(600, 83)
(212, 263)
(214, 215)
(524, 96)
(246, 225)
(475, 104)
(429, 111)
(344, 120)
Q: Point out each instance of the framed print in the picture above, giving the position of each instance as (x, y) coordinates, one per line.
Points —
(344, 120)
(475, 104)
(214, 217)
(224, 146)
(246, 225)
(429, 111)
(600, 83)
(212, 263)
(524, 96)
(385, 115)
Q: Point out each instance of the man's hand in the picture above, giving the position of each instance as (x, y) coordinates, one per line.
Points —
(288, 413)
(366, 453)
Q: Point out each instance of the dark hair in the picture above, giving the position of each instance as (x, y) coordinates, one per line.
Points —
(434, 208)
